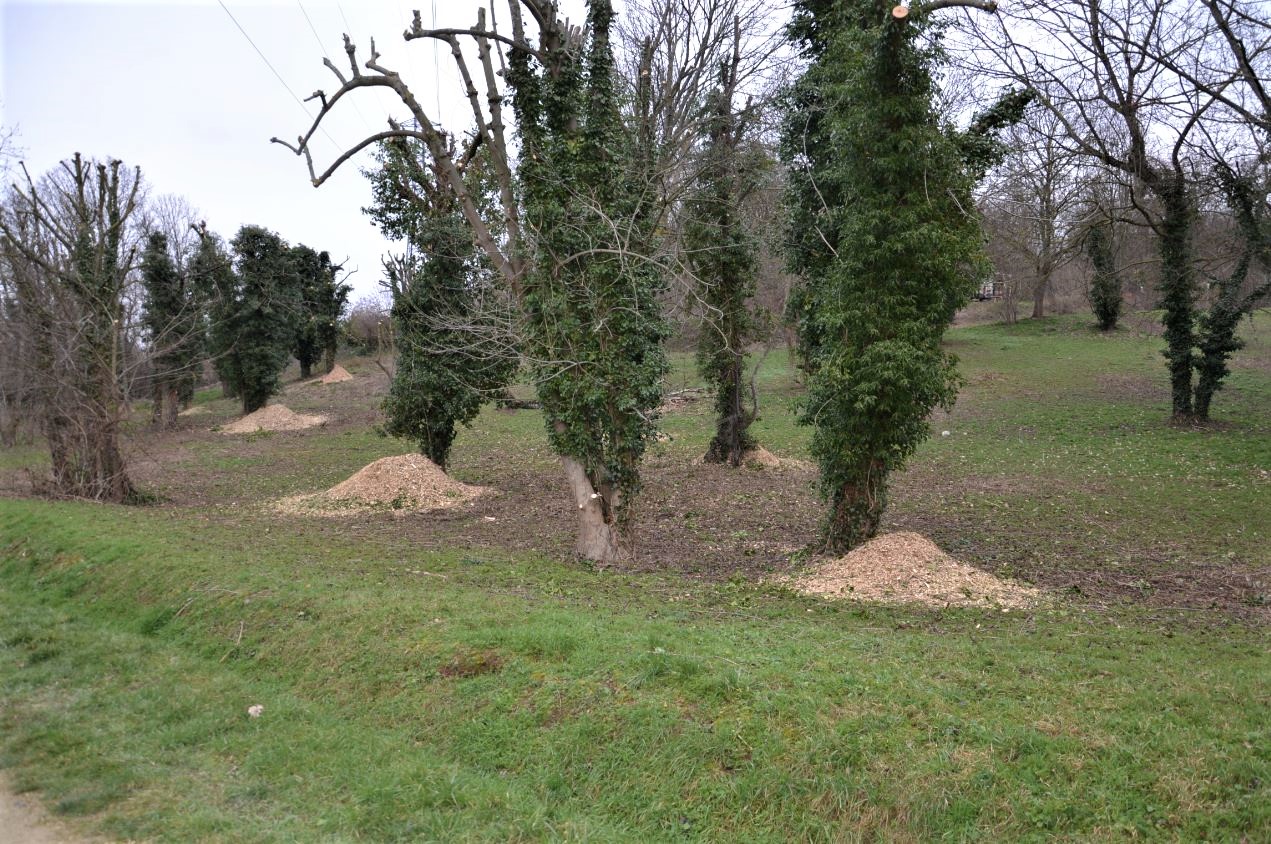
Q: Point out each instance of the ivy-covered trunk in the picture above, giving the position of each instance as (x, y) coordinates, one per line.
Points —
(1178, 289)
(732, 419)
(721, 252)
(856, 506)
(889, 262)
(95, 466)
(1217, 327)
(1105, 286)
(1218, 342)
(593, 325)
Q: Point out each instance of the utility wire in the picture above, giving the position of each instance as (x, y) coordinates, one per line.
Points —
(436, 61)
(278, 75)
(318, 38)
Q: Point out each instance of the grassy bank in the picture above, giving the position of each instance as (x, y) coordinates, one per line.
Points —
(461, 679)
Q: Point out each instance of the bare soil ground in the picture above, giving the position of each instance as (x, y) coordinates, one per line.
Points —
(24, 821)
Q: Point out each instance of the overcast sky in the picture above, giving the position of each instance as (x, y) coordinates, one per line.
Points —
(176, 88)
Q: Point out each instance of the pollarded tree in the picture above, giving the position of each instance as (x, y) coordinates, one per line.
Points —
(594, 328)
(173, 324)
(322, 300)
(722, 254)
(451, 357)
(264, 308)
(214, 283)
(902, 250)
(572, 241)
(65, 245)
(327, 311)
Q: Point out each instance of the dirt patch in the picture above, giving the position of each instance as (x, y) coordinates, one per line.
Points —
(907, 568)
(335, 376)
(405, 483)
(24, 821)
(680, 399)
(275, 417)
(471, 664)
(1131, 387)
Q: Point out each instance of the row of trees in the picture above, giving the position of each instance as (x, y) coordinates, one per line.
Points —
(633, 173)
(610, 169)
(106, 295)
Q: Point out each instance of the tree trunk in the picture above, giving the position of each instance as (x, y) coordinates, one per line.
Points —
(110, 481)
(1178, 292)
(731, 441)
(8, 422)
(857, 510)
(306, 370)
(171, 406)
(1039, 295)
(597, 532)
(156, 410)
(328, 359)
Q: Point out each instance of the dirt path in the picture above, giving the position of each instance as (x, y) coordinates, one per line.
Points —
(24, 821)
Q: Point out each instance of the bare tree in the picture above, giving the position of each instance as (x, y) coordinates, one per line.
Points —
(1037, 192)
(1163, 93)
(175, 218)
(67, 250)
(671, 52)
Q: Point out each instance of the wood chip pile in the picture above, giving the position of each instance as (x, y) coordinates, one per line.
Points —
(405, 483)
(761, 458)
(902, 568)
(274, 417)
(336, 375)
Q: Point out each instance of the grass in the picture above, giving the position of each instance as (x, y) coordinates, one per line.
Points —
(475, 694)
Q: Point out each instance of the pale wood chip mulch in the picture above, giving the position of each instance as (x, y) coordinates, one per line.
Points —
(274, 417)
(405, 483)
(902, 568)
(335, 376)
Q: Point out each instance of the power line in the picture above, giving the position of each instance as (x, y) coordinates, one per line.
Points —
(274, 70)
(317, 38)
(436, 60)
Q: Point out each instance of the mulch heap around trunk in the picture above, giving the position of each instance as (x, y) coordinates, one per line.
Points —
(274, 417)
(335, 376)
(907, 568)
(761, 458)
(404, 484)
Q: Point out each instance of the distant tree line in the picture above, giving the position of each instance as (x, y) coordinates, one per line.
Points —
(106, 298)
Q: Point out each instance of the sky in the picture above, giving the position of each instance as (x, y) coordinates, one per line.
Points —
(176, 88)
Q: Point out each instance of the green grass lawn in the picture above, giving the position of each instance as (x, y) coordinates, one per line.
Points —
(417, 688)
